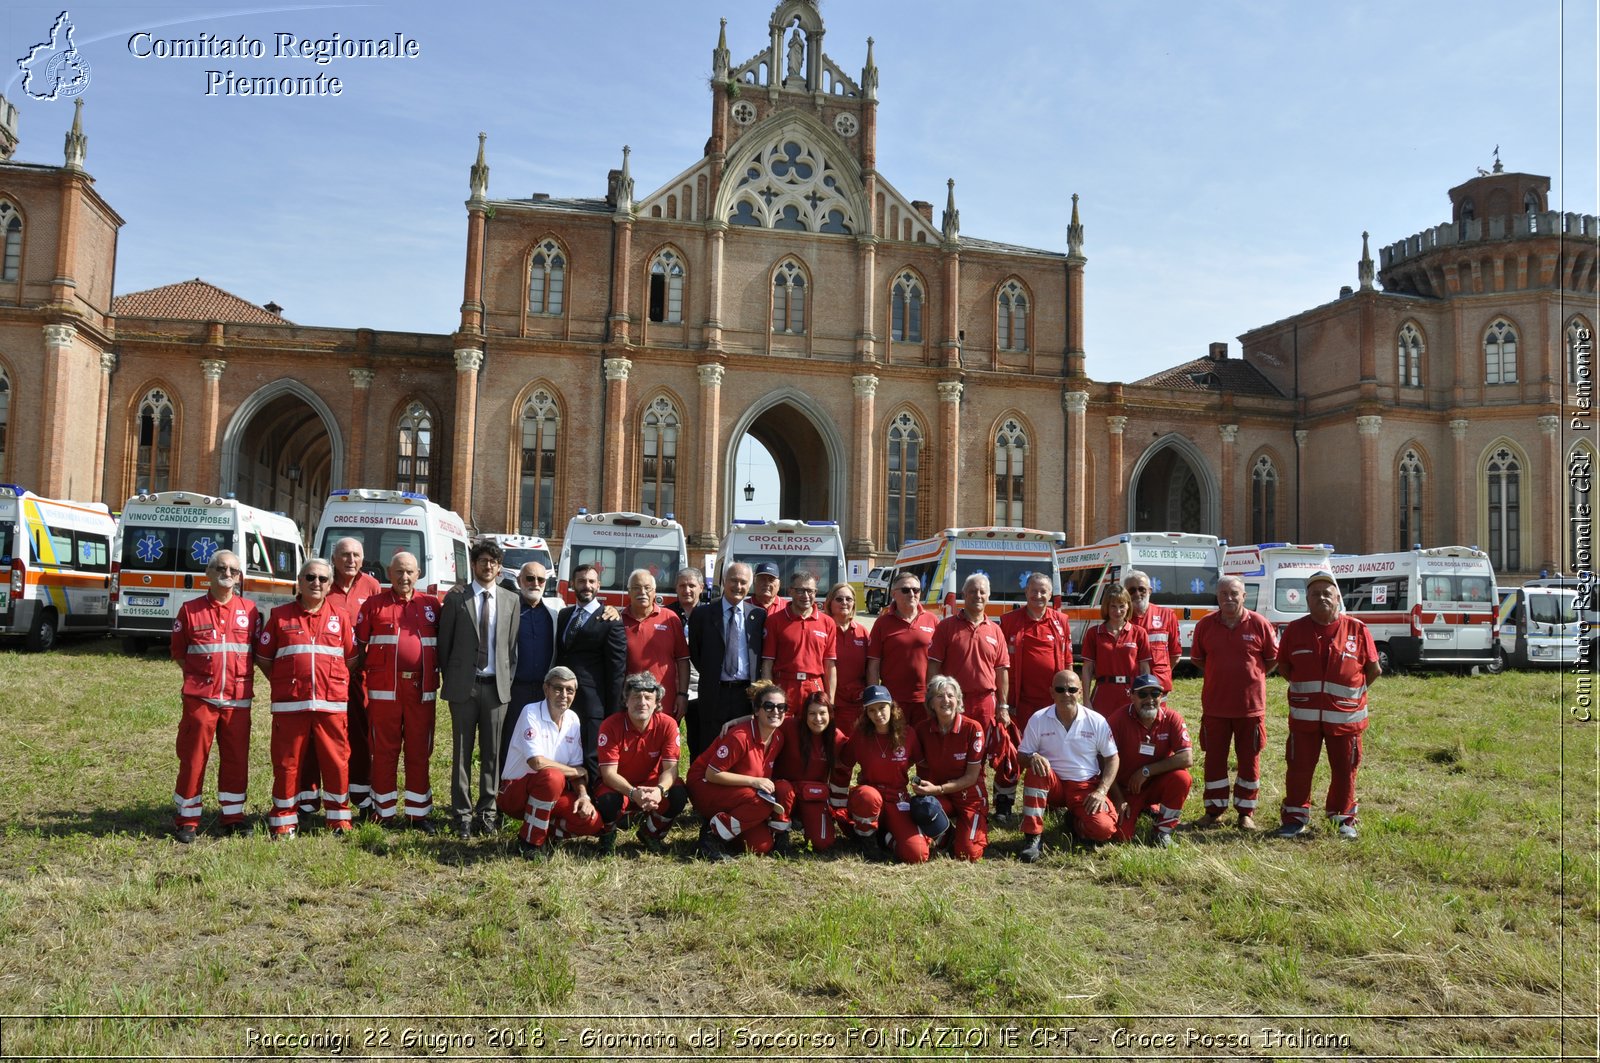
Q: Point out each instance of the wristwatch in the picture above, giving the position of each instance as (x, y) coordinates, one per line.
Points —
(1146, 770)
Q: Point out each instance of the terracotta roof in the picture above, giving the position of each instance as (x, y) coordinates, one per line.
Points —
(1231, 374)
(193, 301)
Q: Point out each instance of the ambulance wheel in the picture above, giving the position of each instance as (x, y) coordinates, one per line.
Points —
(43, 635)
(1497, 663)
(1385, 665)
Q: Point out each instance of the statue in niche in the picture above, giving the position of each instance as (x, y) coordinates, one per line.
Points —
(797, 52)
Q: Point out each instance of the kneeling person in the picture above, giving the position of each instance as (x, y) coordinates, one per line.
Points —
(1154, 753)
(948, 792)
(544, 783)
(638, 752)
(1071, 761)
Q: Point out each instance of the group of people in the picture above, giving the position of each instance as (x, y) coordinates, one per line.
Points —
(803, 726)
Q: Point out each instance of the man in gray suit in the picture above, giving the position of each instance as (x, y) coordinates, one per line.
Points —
(478, 661)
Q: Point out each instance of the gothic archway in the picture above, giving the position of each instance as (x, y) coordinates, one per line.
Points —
(282, 451)
(1173, 490)
(805, 446)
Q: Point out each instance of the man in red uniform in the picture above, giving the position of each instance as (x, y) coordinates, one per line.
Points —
(306, 649)
(764, 588)
(213, 639)
(638, 752)
(656, 643)
(1329, 660)
(397, 630)
(1153, 757)
(1070, 761)
(351, 586)
(800, 647)
(1040, 645)
(897, 651)
(971, 649)
(948, 793)
(1235, 647)
(1159, 624)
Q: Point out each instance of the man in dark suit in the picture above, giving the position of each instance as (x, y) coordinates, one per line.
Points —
(596, 649)
(726, 668)
(477, 660)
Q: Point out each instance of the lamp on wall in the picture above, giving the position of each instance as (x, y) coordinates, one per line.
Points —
(293, 473)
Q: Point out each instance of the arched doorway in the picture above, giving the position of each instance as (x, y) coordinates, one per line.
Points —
(1173, 490)
(280, 452)
(805, 448)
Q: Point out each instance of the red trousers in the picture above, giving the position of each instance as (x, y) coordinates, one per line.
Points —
(914, 712)
(1248, 736)
(846, 713)
(870, 806)
(200, 724)
(796, 690)
(738, 815)
(542, 800)
(1161, 797)
(1047, 791)
(404, 722)
(293, 735)
(358, 770)
(808, 802)
(1302, 751)
(968, 836)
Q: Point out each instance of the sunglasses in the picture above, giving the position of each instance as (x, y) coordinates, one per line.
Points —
(224, 570)
(1068, 690)
(534, 579)
(1148, 694)
(909, 590)
(774, 706)
(316, 579)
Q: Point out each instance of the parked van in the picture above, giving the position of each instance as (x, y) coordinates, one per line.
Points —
(1008, 556)
(1425, 607)
(58, 555)
(518, 550)
(1274, 576)
(875, 590)
(1182, 567)
(616, 544)
(1539, 623)
(164, 542)
(813, 546)
(389, 521)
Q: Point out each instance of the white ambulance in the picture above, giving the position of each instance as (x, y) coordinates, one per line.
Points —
(1425, 607)
(616, 544)
(1008, 556)
(1542, 622)
(1274, 576)
(1182, 567)
(164, 542)
(58, 555)
(518, 550)
(812, 546)
(387, 522)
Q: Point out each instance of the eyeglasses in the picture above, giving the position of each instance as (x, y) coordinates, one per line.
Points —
(534, 579)
(802, 592)
(226, 570)
(909, 590)
(310, 578)
(774, 706)
(1068, 690)
(1142, 592)
(1148, 694)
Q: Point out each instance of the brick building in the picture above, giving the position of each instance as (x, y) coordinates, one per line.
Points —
(613, 352)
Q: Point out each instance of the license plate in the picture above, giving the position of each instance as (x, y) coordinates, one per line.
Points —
(145, 601)
(1440, 635)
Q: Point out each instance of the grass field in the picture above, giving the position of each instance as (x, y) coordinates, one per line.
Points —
(1463, 923)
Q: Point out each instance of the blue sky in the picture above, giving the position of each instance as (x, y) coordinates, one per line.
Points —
(1228, 155)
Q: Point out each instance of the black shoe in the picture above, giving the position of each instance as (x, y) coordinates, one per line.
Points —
(425, 825)
(780, 843)
(234, 830)
(488, 824)
(463, 829)
(184, 835)
(652, 844)
(1032, 850)
(607, 843)
(712, 848)
(529, 851)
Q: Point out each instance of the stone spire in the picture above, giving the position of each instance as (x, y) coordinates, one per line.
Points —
(1075, 231)
(721, 60)
(951, 224)
(8, 128)
(77, 143)
(1364, 268)
(869, 75)
(625, 186)
(480, 174)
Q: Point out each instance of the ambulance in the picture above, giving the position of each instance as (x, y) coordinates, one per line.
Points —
(616, 544)
(518, 550)
(1008, 556)
(164, 542)
(1542, 622)
(387, 522)
(1274, 576)
(59, 558)
(1424, 607)
(811, 546)
(1182, 567)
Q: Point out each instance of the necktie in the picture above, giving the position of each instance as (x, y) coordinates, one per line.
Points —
(483, 631)
(575, 623)
(731, 655)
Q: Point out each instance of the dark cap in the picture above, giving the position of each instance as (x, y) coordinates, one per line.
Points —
(1321, 575)
(767, 568)
(1147, 682)
(874, 695)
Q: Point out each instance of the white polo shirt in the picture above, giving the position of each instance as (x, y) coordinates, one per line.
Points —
(538, 736)
(1074, 754)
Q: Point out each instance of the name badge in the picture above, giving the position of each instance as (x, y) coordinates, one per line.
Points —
(1147, 749)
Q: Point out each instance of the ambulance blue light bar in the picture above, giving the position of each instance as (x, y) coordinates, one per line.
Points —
(13, 490)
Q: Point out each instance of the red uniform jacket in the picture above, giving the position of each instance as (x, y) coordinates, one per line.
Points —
(1160, 626)
(1326, 670)
(883, 764)
(307, 657)
(401, 640)
(945, 757)
(214, 643)
(739, 751)
(1038, 649)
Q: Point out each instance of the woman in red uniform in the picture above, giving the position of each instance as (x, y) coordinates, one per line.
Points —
(880, 808)
(731, 781)
(949, 804)
(851, 662)
(1114, 651)
(810, 750)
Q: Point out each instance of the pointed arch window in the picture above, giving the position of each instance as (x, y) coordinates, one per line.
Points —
(658, 492)
(1500, 354)
(1010, 474)
(153, 471)
(5, 420)
(789, 299)
(1580, 515)
(905, 460)
(1409, 354)
(11, 228)
(1580, 352)
(1409, 500)
(547, 279)
(905, 309)
(666, 288)
(1263, 500)
(1012, 313)
(1504, 493)
(414, 449)
(536, 487)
